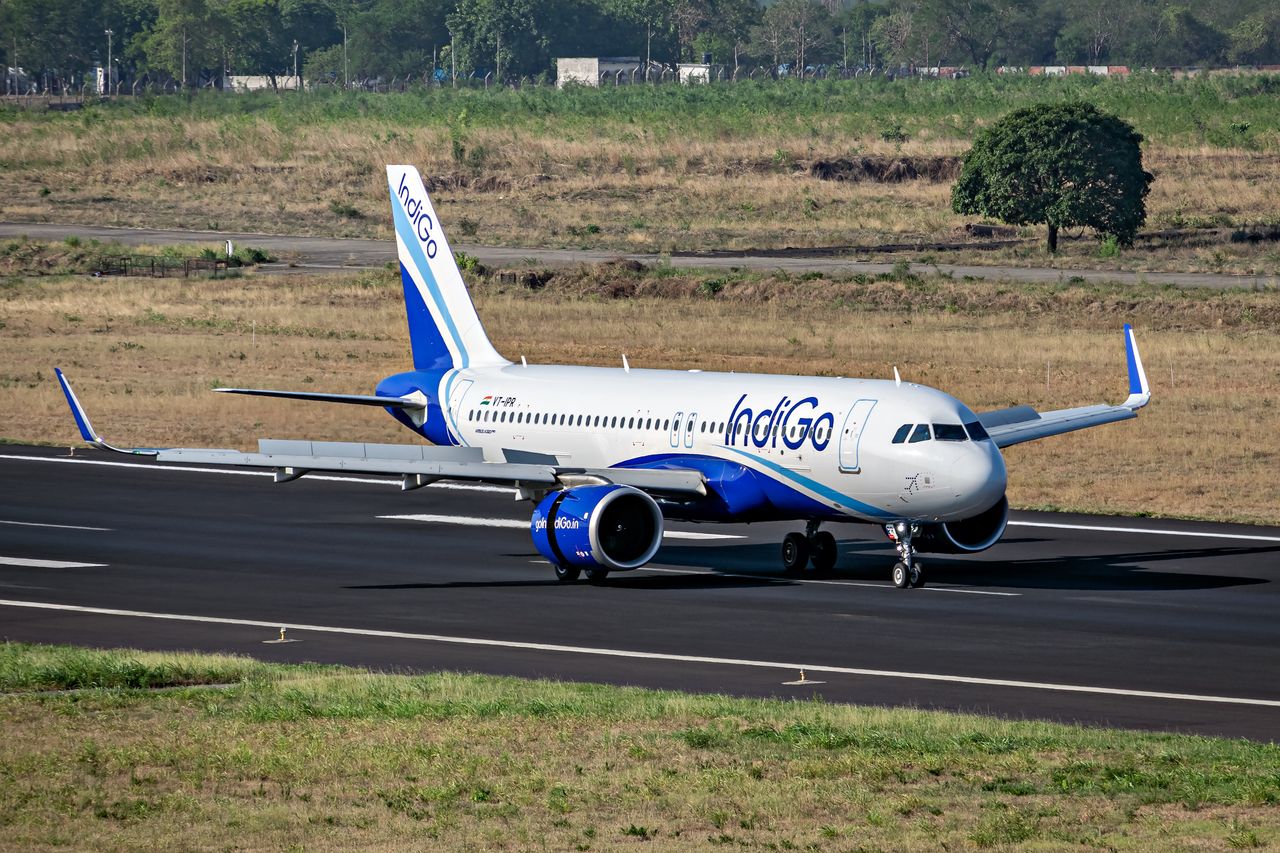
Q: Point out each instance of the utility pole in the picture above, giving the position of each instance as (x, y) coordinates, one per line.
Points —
(346, 79)
(453, 61)
(109, 35)
(297, 84)
(184, 59)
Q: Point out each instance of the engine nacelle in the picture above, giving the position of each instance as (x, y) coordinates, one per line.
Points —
(609, 527)
(965, 537)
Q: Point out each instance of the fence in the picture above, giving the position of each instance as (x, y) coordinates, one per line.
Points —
(64, 94)
(149, 267)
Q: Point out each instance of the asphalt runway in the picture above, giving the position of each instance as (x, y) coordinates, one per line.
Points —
(1105, 621)
(318, 254)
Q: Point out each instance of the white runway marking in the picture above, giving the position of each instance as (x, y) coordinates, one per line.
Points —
(656, 656)
(368, 481)
(1247, 537)
(28, 563)
(62, 526)
(517, 524)
(476, 487)
(792, 579)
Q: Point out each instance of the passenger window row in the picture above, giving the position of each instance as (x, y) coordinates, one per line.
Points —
(912, 433)
(503, 416)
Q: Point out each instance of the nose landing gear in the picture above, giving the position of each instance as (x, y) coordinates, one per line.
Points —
(906, 572)
(813, 546)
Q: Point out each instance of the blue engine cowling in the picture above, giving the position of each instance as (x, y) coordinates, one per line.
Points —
(608, 527)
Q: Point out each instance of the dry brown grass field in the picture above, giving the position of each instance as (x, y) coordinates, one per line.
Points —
(144, 354)
(610, 185)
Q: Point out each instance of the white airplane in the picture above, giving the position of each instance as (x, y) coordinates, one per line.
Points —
(607, 454)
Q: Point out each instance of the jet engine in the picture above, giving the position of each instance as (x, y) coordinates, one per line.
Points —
(967, 536)
(607, 527)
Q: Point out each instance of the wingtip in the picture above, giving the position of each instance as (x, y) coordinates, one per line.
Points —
(1139, 388)
(77, 411)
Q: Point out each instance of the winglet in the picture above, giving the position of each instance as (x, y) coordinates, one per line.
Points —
(87, 432)
(77, 410)
(1139, 389)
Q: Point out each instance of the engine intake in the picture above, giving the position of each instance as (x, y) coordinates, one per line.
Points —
(968, 536)
(610, 527)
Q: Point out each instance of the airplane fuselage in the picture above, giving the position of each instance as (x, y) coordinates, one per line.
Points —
(770, 447)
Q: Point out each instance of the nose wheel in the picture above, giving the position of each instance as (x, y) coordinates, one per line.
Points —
(814, 546)
(906, 572)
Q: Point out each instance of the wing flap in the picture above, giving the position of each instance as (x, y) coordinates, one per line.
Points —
(439, 468)
(1058, 422)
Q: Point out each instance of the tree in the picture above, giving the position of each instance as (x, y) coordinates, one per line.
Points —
(1059, 164)
(800, 28)
(978, 27)
(186, 39)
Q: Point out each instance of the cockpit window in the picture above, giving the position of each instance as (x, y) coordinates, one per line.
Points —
(977, 431)
(949, 432)
(921, 433)
(901, 435)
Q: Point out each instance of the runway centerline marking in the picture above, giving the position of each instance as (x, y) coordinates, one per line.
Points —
(29, 563)
(517, 524)
(275, 625)
(61, 526)
(476, 487)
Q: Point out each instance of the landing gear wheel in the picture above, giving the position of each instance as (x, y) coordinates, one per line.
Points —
(795, 552)
(917, 575)
(901, 575)
(597, 575)
(823, 552)
(567, 574)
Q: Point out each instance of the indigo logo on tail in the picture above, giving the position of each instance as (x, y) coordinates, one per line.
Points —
(416, 209)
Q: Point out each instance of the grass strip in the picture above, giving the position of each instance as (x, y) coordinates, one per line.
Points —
(329, 757)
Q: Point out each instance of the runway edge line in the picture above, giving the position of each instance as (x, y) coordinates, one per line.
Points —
(638, 655)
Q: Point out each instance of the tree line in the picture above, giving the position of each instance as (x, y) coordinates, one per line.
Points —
(343, 41)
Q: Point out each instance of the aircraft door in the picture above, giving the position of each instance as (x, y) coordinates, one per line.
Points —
(688, 429)
(851, 435)
(456, 396)
(677, 424)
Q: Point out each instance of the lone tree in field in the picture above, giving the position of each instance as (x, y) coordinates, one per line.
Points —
(1061, 164)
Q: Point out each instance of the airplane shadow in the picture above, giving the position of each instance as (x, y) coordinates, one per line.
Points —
(622, 580)
(873, 561)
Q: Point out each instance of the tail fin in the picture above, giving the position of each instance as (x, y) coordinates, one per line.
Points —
(444, 329)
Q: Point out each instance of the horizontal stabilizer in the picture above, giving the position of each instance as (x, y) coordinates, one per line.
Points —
(320, 397)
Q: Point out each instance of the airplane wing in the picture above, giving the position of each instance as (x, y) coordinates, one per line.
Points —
(416, 465)
(1023, 423)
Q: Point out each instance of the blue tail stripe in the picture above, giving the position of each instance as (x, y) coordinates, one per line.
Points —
(1135, 381)
(428, 347)
(410, 240)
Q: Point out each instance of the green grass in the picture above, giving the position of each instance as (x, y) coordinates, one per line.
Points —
(328, 757)
(1219, 111)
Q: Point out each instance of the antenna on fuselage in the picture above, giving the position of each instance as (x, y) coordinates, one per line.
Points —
(626, 368)
(523, 362)
(897, 379)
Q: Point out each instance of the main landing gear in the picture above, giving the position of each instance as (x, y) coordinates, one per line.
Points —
(813, 546)
(570, 574)
(906, 572)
